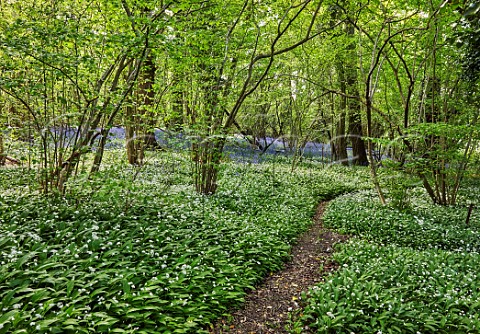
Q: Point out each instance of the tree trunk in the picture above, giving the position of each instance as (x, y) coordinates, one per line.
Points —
(355, 129)
(175, 120)
(130, 136)
(372, 164)
(207, 157)
(97, 160)
(208, 150)
(356, 134)
(2, 151)
(139, 123)
(340, 137)
(147, 96)
(341, 140)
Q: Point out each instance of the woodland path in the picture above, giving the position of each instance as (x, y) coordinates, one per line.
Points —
(266, 308)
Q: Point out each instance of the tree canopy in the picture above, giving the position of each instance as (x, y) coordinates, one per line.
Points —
(391, 79)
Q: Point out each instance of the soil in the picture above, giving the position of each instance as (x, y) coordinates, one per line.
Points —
(266, 309)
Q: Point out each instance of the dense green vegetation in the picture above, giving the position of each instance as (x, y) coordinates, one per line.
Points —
(392, 289)
(423, 226)
(144, 252)
(146, 255)
(412, 271)
(153, 160)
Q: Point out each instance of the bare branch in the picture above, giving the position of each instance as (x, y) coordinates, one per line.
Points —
(245, 92)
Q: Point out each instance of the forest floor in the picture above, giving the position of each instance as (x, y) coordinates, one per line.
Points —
(266, 309)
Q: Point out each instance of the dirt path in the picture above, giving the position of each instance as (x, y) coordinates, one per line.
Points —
(266, 309)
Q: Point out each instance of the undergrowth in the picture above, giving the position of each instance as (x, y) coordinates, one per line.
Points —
(411, 271)
(137, 251)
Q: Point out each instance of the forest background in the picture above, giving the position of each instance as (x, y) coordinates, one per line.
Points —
(393, 79)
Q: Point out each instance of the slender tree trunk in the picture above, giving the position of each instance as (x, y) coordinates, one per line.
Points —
(97, 160)
(341, 140)
(130, 135)
(208, 151)
(368, 111)
(207, 157)
(355, 128)
(131, 132)
(175, 120)
(340, 133)
(372, 164)
(2, 150)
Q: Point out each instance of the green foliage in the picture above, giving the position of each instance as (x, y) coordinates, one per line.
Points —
(393, 289)
(415, 271)
(423, 226)
(469, 39)
(398, 184)
(145, 253)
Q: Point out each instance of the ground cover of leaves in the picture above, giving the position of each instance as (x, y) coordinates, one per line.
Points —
(267, 308)
(137, 251)
(411, 270)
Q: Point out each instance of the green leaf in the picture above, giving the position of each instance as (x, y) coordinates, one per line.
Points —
(8, 316)
(71, 322)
